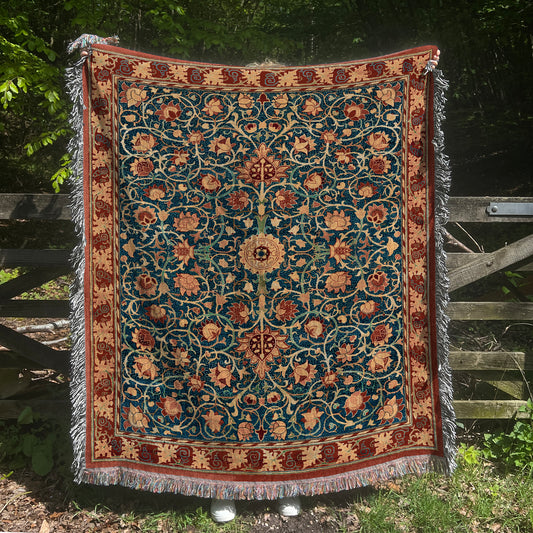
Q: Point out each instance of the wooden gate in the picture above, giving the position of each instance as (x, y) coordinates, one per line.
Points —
(507, 372)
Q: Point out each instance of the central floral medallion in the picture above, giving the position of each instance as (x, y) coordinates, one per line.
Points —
(261, 253)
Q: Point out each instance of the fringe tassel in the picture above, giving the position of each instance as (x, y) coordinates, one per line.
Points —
(442, 187)
(135, 479)
(74, 82)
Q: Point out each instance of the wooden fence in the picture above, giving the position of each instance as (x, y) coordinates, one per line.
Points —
(506, 372)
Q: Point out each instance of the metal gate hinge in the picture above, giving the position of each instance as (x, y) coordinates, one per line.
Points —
(515, 209)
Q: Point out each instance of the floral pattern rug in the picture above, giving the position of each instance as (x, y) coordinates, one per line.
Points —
(257, 312)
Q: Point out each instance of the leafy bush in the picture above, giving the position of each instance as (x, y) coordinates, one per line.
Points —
(513, 449)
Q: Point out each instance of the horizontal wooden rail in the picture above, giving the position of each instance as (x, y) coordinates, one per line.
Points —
(474, 208)
(488, 409)
(10, 258)
(490, 361)
(490, 311)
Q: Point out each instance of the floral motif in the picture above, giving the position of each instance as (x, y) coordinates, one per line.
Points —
(261, 253)
(262, 168)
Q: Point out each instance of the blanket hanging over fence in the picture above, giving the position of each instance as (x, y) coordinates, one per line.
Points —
(259, 308)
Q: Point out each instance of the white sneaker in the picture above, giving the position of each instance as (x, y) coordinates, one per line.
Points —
(291, 506)
(223, 510)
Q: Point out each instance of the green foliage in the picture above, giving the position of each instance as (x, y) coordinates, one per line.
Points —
(469, 454)
(514, 449)
(32, 441)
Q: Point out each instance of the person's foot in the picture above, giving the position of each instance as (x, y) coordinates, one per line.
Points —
(223, 510)
(290, 506)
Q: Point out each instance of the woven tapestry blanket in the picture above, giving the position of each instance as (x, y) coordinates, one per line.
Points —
(259, 309)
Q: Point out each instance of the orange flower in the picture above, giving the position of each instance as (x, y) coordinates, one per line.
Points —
(262, 347)
(389, 94)
(338, 281)
(315, 328)
(170, 407)
(221, 376)
(381, 334)
(245, 101)
(195, 137)
(133, 95)
(157, 313)
(344, 156)
(181, 357)
(183, 251)
(329, 136)
(196, 383)
(281, 101)
(187, 221)
(273, 397)
(245, 431)
(187, 284)
(145, 368)
(180, 157)
(366, 190)
(238, 199)
(314, 181)
(303, 373)
(380, 361)
(221, 145)
(391, 410)
(303, 144)
(262, 168)
(337, 221)
(135, 418)
(356, 402)
(278, 429)
(145, 216)
(210, 330)
(213, 420)
(378, 140)
(142, 142)
(285, 199)
(345, 352)
(145, 284)
(155, 192)
(340, 250)
(311, 418)
(213, 107)
(368, 308)
(143, 339)
(329, 379)
(209, 183)
(141, 167)
(312, 107)
(355, 111)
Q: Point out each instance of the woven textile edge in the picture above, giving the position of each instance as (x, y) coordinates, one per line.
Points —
(442, 187)
(74, 81)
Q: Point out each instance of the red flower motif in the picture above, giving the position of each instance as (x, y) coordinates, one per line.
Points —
(286, 310)
(170, 408)
(239, 313)
(145, 284)
(356, 402)
(377, 281)
(145, 216)
(141, 167)
(143, 339)
(379, 164)
(381, 334)
(329, 379)
(285, 199)
(169, 112)
(355, 111)
(238, 199)
(376, 213)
